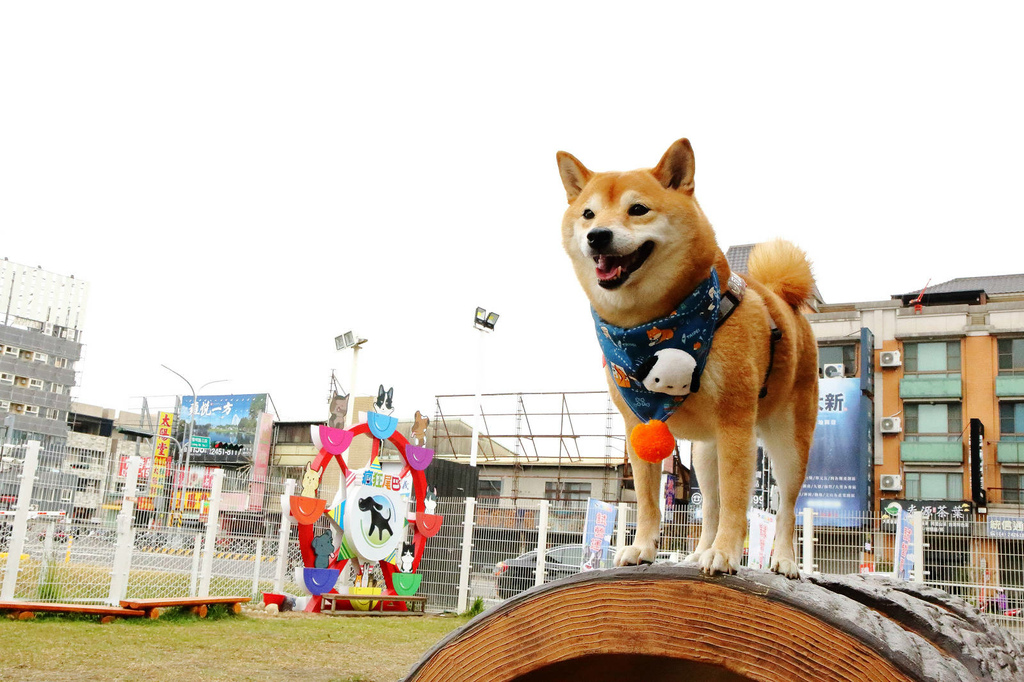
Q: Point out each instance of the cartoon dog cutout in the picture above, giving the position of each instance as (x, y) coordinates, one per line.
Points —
(323, 548)
(377, 520)
(408, 555)
(668, 371)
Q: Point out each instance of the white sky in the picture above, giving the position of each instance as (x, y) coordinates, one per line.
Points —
(241, 182)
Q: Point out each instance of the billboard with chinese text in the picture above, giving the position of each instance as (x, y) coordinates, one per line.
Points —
(228, 419)
(837, 486)
(947, 517)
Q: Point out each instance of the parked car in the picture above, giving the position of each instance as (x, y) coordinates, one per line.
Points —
(516, 575)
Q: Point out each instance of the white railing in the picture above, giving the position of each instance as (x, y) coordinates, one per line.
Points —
(150, 540)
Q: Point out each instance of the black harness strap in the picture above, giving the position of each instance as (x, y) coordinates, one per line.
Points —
(775, 337)
(732, 295)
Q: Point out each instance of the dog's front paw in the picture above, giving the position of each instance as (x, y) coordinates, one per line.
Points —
(714, 561)
(634, 555)
(785, 566)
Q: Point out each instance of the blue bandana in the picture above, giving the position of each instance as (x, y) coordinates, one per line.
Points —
(685, 336)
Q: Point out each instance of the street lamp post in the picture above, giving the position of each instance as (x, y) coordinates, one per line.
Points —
(192, 416)
(484, 322)
(350, 340)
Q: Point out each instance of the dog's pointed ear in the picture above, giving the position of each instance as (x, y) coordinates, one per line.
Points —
(675, 170)
(574, 174)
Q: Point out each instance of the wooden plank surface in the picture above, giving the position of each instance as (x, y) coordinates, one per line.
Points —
(69, 608)
(181, 601)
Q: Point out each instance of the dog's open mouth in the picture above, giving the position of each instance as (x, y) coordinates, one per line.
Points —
(613, 271)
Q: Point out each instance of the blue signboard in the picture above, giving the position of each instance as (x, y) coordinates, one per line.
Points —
(1006, 527)
(837, 483)
(597, 533)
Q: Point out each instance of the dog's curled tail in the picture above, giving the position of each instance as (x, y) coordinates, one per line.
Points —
(783, 268)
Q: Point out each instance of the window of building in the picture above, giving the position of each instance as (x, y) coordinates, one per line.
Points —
(31, 409)
(935, 422)
(40, 357)
(293, 433)
(60, 362)
(17, 408)
(931, 357)
(35, 383)
(1011, 356)
(845, 355)
(5, 406)
(65, 495)
(489, 491)
(25, 355)
(934, 486)
(6, 378)
(555, 491)
(1011, 484)
(1011, 421)
(11, 350)
(57, 388)
(52, 413)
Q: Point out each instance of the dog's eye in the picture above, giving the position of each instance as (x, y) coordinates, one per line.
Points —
(638, 209)
(588, 214)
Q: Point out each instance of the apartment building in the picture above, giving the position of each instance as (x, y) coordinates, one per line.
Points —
(941, 359)
(41, 314)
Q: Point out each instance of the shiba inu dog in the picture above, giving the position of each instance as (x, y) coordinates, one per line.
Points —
(640, 245)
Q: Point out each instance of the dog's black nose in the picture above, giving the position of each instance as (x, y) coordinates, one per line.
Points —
(599, 238)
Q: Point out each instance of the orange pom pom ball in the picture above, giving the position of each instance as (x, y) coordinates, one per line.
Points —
(652, 442)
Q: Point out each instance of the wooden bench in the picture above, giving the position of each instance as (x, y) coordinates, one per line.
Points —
(328, 605)
(26, 610)
(199, 605)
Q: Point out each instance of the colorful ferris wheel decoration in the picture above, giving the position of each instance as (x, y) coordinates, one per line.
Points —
(369, 529)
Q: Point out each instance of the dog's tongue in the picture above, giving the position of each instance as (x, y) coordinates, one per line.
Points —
(609, 267)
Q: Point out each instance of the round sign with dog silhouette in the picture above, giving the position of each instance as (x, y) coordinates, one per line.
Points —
(374, 521)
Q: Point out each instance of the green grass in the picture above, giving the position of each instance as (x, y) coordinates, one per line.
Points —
(253, 646)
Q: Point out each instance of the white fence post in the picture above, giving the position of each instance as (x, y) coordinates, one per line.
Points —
(283, 536)
(125, 534)
(542, 541)
(808, 563)
(209, 547)
(197, 550)
(917, 521)
(20, 528)
(467, 548)
(620, 527)
(256, 570)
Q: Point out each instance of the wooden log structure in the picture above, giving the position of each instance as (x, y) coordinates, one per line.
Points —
(669, 622)
(26, 610)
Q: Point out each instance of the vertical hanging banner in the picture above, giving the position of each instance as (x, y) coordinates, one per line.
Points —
(597, 533)
(903, 564)
(761, 538)
(161, 453)
(836, 485)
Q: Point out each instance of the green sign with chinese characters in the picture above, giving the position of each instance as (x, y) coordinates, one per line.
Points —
(201, 442)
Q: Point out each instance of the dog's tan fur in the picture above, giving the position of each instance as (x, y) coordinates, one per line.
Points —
(726, 416)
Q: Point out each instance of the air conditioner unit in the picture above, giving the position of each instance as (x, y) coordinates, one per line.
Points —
(891, 425)
(834, 371)
(890, 358)
(891, 482)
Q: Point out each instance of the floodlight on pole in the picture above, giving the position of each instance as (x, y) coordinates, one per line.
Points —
(350, 340)
(483, 321)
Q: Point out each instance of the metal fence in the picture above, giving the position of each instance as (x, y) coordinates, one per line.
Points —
(220, 532)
